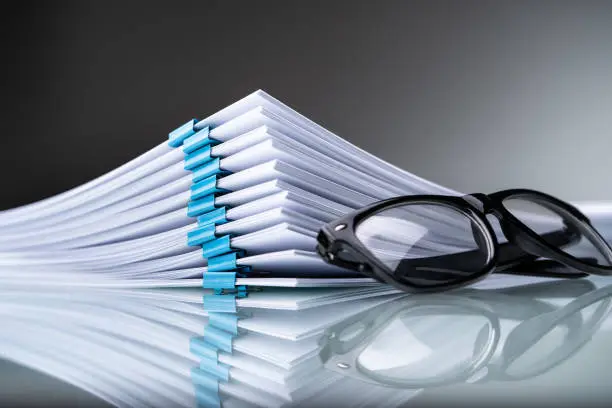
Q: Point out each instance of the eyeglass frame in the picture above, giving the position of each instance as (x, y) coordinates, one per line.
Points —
(523, 244)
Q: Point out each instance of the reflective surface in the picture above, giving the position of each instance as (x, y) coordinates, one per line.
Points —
(522, 343)
(472, 344)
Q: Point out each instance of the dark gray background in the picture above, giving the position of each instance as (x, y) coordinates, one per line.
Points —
(475, 95)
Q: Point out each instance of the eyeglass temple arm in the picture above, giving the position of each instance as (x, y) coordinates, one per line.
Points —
(512, 260)
(547, 268)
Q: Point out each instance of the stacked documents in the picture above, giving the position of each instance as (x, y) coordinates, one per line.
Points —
(248, 187)
(243, 191)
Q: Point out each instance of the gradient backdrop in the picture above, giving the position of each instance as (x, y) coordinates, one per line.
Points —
(475, 95)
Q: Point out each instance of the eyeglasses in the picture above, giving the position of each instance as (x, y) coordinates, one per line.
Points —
(405, 342)
(431, 243)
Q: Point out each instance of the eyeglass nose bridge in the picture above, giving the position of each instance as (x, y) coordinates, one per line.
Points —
(480, 201)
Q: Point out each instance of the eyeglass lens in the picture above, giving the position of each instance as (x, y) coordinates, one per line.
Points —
(425, 244)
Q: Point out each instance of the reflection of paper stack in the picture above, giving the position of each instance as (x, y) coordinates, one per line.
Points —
(138, 348)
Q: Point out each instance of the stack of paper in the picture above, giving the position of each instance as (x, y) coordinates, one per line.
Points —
(255, 177)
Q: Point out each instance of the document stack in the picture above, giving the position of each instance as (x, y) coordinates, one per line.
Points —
(209, 240)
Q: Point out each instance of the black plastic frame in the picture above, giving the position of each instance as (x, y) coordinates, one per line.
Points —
(523, 246)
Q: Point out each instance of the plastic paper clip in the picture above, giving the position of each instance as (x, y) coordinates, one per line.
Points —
(199, 139)
(216, 247)
(201, 206)
(217, 217)
(205, 187)
(208, 169)
(226, 262)
(178, 135)
(201, 234)
(197, 158)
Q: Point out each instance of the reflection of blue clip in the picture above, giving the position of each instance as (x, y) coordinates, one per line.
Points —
(218, 338)
(214, 367)
(178, 135)
(204, 379)
(220, 303)
(207, 398)
(225, 321)
(199, 347)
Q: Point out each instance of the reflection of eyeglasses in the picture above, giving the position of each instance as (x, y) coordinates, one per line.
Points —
(425, 243)
(435, 340)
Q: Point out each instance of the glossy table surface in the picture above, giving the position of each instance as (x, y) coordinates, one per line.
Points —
(546, 343)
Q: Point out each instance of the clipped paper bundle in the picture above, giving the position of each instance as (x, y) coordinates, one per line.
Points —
(235, 199)
(245, 189)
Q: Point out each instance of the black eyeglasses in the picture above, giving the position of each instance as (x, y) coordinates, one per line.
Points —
(431, 243)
